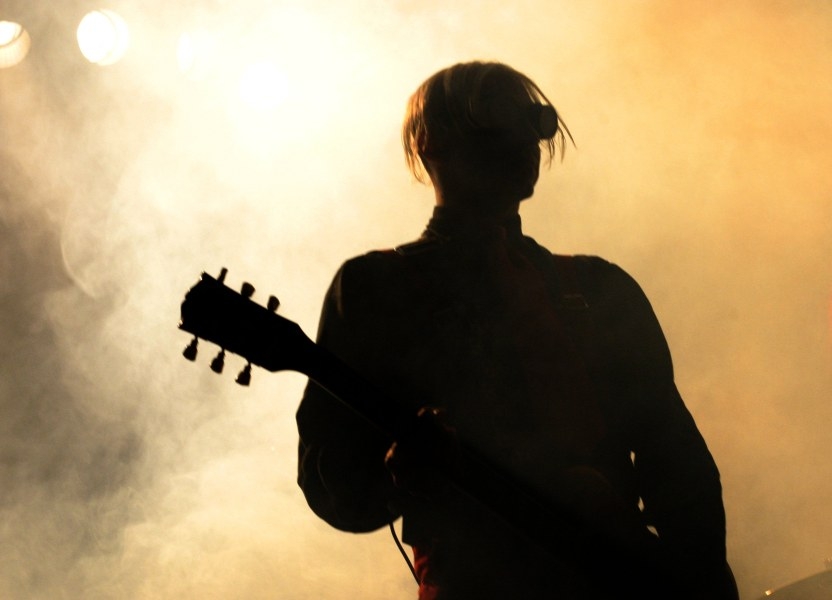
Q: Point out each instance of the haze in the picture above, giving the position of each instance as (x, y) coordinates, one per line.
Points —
(702, 167)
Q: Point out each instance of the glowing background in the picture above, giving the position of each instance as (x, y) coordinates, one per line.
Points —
(703, 167)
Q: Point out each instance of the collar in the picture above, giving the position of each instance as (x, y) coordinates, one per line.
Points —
(447, 223)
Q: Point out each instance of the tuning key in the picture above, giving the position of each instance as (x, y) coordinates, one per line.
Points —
(247, 290)
(244, 378)
(273, 303)
(219, 362)
(190, 351)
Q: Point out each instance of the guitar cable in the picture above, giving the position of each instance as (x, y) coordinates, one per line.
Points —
(403, 551)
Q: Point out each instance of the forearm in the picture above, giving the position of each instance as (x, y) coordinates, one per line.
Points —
(343, 496)
(682, 494)
(341, 467)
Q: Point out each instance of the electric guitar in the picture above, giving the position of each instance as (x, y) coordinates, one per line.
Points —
(214, 312)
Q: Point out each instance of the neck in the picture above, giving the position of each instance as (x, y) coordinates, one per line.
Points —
(447, 223)
(478, 206)
(466, 186)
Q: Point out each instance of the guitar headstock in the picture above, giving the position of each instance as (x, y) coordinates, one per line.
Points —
(214, 312)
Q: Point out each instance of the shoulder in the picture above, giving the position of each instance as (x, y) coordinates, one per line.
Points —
(374, 281)
(388, 266)
(591, 266)
(596, 277)
(375, 265)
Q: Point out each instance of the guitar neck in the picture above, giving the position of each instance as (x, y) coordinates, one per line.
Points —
(364, 399)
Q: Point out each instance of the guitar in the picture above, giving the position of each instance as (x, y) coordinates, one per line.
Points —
(214, 312)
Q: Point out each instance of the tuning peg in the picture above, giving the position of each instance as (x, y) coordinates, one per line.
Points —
(219, 362)
(273, 303)
(223, 273)
(190, 351)
(247, 290)
(244, 378)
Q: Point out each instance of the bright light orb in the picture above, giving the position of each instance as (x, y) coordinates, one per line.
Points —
(14, 44)
(263, 86)
(103, 37)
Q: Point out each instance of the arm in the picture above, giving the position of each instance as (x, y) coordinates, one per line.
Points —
(341, 459)
(678, 479)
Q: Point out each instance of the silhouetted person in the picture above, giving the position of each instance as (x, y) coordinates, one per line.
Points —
(552, 368)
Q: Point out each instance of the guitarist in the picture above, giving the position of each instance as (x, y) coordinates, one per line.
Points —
(553, 368)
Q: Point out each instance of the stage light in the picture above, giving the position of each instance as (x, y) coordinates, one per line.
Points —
(263, 86)
(103, 37)
(14, 44)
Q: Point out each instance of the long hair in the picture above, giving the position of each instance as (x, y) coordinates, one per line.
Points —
(446, 106)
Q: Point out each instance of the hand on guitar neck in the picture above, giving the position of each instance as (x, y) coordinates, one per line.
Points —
(423, 462)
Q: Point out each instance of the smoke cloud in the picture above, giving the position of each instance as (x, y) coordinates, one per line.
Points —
(701, 167)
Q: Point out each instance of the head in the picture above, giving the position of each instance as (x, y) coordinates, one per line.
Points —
(481, 122)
